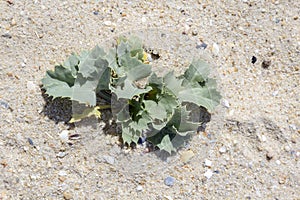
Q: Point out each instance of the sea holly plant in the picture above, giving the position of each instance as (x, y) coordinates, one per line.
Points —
(145, 104)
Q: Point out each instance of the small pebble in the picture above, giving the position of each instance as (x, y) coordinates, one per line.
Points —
(263, 138)
(96, 13)
(215, 49)
(109, 159)
(266, 64)
(67, 195)
(207, 163)
(194, 32)
(223, 149)
(275, 93)
(139, 188)
(278, 162)
(30, 141)
(287, 148)
(169, 181)
(62, 173)
(201, 46)
(64, 135)
(186, 156)
(208, 174)
(253, 59)
(4, 104)
(225, 103)
(7, 35)
(292, 126)
(61, 154)
(269, 156)
(107, 23)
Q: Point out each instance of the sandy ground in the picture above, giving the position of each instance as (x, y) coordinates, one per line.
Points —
(255, 148)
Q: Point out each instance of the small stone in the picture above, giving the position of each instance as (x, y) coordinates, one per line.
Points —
(287, 148)
(278, 162)
(225, 103)
(67, 195)
(293, 127)
(223, 149)
(266, 64)
(168, 197)
(6, 35)
(194, 32)
(169, 181)
(109, 159)
(107, 23)
(64, 135)
(139, 188)
(269, 155)
(208, 174)
(30, 141)
(253, 59)
(61, 154)
(275, 93)
(208, 163)
(263, 138)
(186, 156)
(215, 49)
(144, 19)
(201, 46)
(62, 173)
(13, 22)
(4, 104)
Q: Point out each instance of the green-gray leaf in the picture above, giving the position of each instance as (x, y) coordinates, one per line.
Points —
(206, 97)
(166, 144)
(128, 91)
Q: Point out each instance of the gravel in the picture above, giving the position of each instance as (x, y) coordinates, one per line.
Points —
(257, 125)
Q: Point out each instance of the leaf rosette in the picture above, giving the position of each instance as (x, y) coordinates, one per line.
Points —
(143, 103)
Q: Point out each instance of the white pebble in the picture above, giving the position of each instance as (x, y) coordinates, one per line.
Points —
(139, 188)
(107, 23)
(64, 135)
(62, 173)
(223, 149)
(278, 162)
(215, 49)
(207, 163)
(208, 174)
(275, 93)
(225, 103)
(109, 159)
(287, 148)
(263, 138)
(61, 154)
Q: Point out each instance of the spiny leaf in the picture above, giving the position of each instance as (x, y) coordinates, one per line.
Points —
(206, 97)
(129, 90)
(72, 64)
(93, 61)
(129, 136)
(56, 88)
(166, 144)
(172, 84)
(156, 111)
(198, 71)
